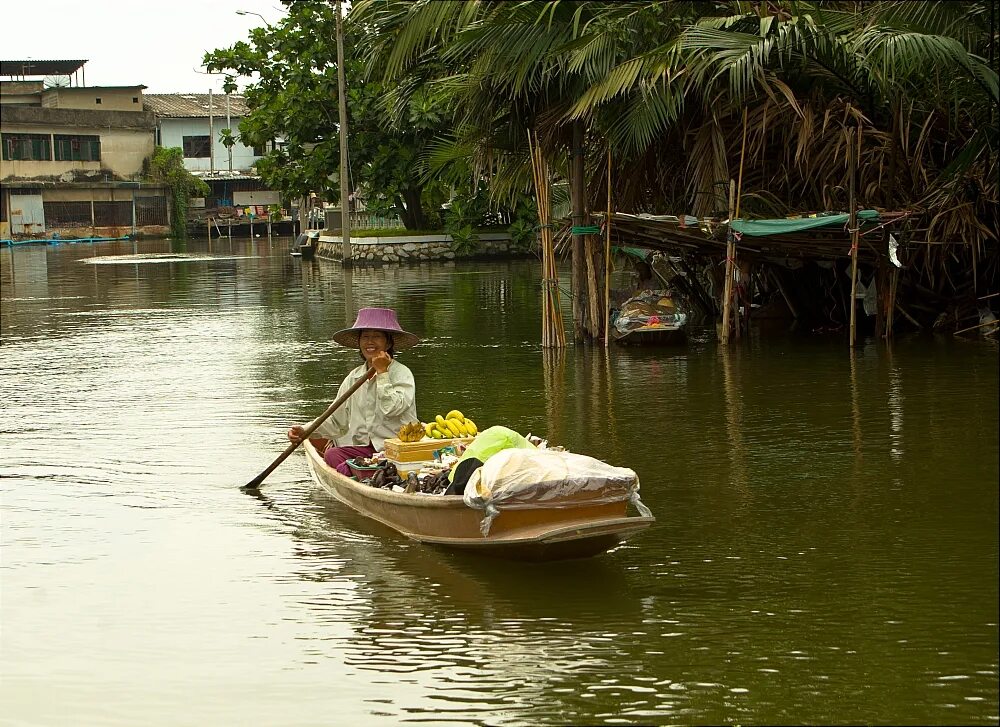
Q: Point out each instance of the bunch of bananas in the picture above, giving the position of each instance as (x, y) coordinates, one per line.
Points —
(453, 424)
(412, 432)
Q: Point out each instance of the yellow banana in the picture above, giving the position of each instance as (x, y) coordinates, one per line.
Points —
(440, 420)
(427, 428)
(471, 426)
(455, 414)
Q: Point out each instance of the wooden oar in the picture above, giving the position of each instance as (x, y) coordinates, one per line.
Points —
(255, 482)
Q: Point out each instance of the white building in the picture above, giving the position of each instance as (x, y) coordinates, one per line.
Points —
(195, 123)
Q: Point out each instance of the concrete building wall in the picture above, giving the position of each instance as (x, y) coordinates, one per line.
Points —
(122, 153)
(25, 99)
(21, 92)
(102, 98)
(172, 133)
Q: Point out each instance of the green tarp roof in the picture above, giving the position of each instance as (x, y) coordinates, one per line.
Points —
(760, 228)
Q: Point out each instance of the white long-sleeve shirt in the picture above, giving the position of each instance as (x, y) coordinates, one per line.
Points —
(376, 411)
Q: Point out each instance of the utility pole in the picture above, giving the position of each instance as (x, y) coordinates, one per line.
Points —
(345, 217)
(211, 134)
(229, 125)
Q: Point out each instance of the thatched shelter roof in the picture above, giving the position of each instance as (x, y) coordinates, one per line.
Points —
(774, 240)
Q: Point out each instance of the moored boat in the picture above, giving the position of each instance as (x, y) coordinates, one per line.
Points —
(650, 317)
(305, 244)
(651, 335)
(572, 526)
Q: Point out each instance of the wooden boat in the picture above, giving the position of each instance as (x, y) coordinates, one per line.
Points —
(305, 244)
(650, 317)
(655, 334)
(541, 533)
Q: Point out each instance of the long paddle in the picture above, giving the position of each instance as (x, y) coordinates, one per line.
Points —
(255, 482)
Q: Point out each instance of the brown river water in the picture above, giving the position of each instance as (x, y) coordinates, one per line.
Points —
(825, 552)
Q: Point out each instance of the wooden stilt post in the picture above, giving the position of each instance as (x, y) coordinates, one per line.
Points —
(854, 147)
(745, 269)
(784, 292)
(579, 250)
(890, 313)
(727, 292)
(735, 190)
(607, 260)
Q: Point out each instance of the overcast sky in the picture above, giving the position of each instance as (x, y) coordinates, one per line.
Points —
(159, 44)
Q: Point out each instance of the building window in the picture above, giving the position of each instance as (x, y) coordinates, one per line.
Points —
(27, 147)
(98, 99)
(197, 146)
(259, 151)
(71, 148)
(135, 99)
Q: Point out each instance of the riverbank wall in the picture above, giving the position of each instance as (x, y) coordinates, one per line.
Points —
(413, 249)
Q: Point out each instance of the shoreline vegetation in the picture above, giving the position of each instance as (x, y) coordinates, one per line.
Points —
(705, 111)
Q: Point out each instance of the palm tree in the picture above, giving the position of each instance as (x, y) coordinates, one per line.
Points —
(667, 87)
(516, 67)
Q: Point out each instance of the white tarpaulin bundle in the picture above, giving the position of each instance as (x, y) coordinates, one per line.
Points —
(526, 478)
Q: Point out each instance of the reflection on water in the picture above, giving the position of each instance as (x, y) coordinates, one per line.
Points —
(808, 564)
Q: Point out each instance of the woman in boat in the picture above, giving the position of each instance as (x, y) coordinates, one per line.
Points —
(381, 407)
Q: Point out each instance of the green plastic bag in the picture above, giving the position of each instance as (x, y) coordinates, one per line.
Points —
(490, 441)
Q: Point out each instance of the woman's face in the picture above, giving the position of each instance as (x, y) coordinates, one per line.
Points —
(372, 342)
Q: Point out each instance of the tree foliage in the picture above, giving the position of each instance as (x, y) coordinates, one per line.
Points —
(166, 167)
(666, 85)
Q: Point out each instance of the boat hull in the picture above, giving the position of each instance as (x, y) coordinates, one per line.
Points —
(537, 533)
(651, 336)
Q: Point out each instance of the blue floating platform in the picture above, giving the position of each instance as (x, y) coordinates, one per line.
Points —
(59, 240)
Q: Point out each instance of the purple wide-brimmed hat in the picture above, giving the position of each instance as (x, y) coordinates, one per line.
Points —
(379, 319)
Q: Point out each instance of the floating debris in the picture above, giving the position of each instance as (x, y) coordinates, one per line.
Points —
(157, 257)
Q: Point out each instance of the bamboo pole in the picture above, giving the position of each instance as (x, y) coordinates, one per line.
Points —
(607, 260)
(739, 194)
(553, 334)
(972, 328)
(578, 204)
(730, 262)
(854, 149)
(735, 190)
(593, 305)
(784, 293)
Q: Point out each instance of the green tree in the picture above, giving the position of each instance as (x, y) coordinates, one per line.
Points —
(294, 101)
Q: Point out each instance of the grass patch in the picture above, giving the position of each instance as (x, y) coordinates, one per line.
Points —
(394, 232)
(403, 232)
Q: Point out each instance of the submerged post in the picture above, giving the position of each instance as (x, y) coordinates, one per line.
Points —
(852, 225)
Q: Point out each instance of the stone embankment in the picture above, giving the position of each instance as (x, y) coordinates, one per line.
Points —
(417, 248)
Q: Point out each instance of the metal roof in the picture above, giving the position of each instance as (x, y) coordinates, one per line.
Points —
(39, 68)
(193, 105)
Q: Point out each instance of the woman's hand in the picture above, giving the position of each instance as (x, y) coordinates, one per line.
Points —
(296, 434)
(381, 361)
